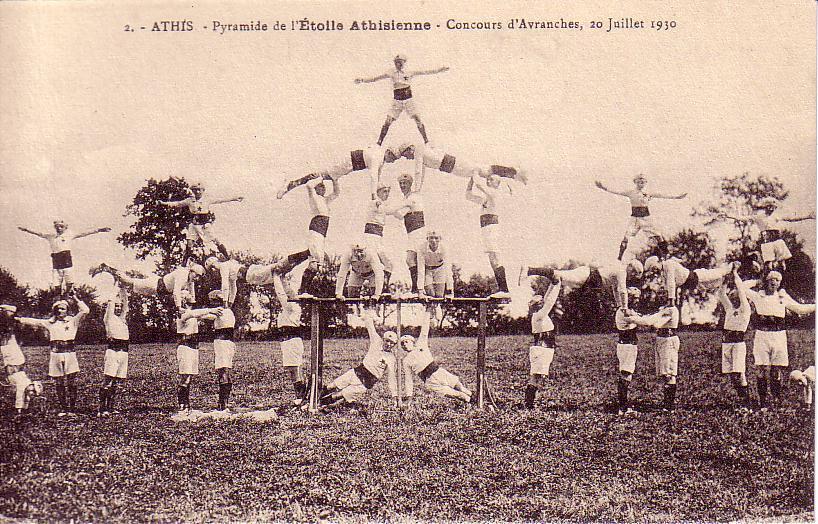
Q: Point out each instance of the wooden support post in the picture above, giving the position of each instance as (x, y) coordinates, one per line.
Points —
(481, 356)
(315, 361)
(399, 356)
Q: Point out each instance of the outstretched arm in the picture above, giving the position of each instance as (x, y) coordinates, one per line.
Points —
(369, 323)
(797, 218)
(668, 197)
(341, 278)
(429, 71)
(601, 186)
(227, 200)
(176, 203)
(92, 232)
(201, 313)
(30, 232)
(372, 79)
(425, 324)
(797, 307)
(83, 311)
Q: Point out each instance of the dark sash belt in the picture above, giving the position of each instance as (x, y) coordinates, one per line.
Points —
(546, 338)
(732, 337)
(373, 229)
(224, 333)
(428, 371)
(365, 376)
(62, 346)
(488, 219)
(403, 93)
(413, 221)
(666, 332)
(628, 336)
(770, 323)
(358, 161)
(117, 344)
(640, 211)
(61, 260)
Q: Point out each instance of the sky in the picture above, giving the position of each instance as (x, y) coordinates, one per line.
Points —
(90, 111)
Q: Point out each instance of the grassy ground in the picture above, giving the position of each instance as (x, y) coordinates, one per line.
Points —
(569, 459)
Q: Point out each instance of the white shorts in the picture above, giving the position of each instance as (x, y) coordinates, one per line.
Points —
(417, 239)
(374, 243)
(399, 106)
(292, 352)
(644, 224)
(770, 348)
(116, 364)
(441, 380)
(203, 232)
(58, 276)
(12, 355)
(490, 235)
(259, 275)
(733, 357)
(223, 353)
(776, 250)
(667, 356)
(539, 359)
(188, 360)
(351, 387)
(438, 275)
(626, 354)
(62, 364)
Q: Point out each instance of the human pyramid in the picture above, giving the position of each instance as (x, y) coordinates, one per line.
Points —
(366, 269)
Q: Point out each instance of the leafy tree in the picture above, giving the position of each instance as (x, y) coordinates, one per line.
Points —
(741, 196)
(464, 318)
(11, 292)
(159, 231)
(695, 250)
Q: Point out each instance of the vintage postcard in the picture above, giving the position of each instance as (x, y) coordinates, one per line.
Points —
(358, 261)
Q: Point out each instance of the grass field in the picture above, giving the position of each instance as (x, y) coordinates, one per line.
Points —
(568, 460)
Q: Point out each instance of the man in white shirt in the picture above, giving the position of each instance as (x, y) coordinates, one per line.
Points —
(411, 211)
(402, 91)
(770, 343)
(627, 350)
(420, 361)
(200, 227)
(805, 379)
(737, 313)
(541, 352)
(289, 334)
(373, 231)
(224, 347)
(640, 219)
(60, 243)
(63, 365)
(179, 281)
(612, 277)
(446, 163)
(486, 195)
(666, 322)
(115, 368)
(676, 278)
(360, 266)
(14, 361)
(435, 277)
(353, 385)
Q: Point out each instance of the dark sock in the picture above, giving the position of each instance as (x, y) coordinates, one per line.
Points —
(503, 171)
(183, 394)
(224, 394)
(422, 130)
(762, 391)
(775, 385)
(306, 280)
(384, 130)
(186, 256)
(744, 395)
(622, 393)
(301, 181)
(413, 273)
(222, 250)
(61, 396)
(623, 246)
(104, 392)
(670, 396)
(530, 395)
(546, 272)
(72, 396)
(500, 277)
(387, 276)
(661, 249)
(297, 258)
(111, 395)
(300, 389)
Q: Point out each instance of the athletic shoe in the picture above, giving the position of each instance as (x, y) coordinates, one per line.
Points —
(62, 413)
(101, 268)
(304, 296)
(500, 295)
(408, 295)
(627, 411)
(282, 190)
(523, 274)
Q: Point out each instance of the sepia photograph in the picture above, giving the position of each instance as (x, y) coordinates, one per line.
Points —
(358, 261)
